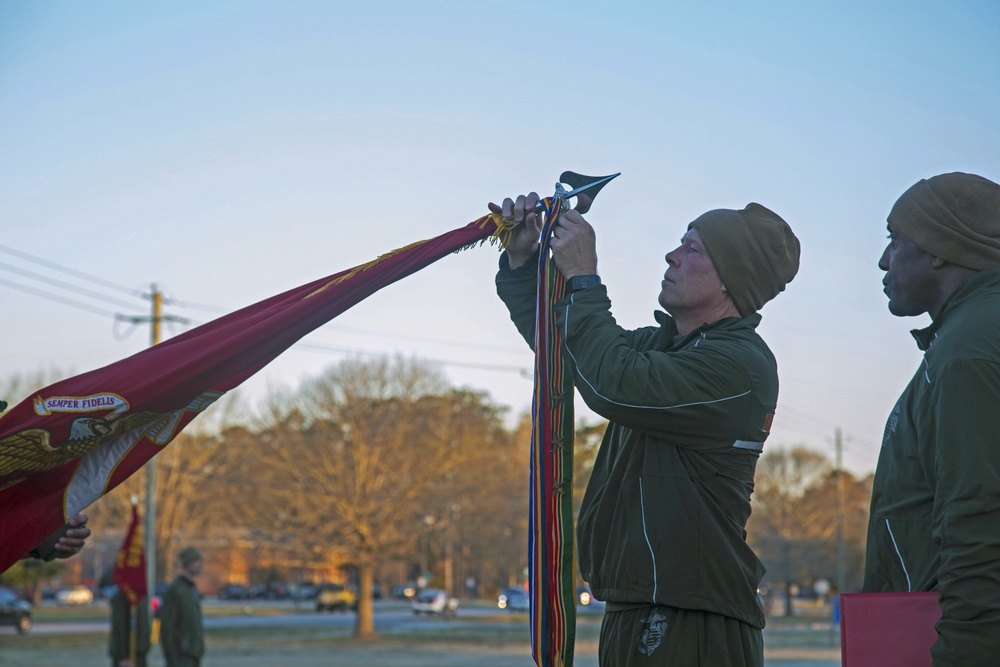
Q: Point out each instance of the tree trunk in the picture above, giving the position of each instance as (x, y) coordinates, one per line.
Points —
(449, 570)
(364, 627)
(36, 592)
(786, 547)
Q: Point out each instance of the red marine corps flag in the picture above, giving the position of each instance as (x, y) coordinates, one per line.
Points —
(130, 564)
(72, 442)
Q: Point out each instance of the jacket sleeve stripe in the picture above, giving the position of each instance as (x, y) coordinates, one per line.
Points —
(581, 376)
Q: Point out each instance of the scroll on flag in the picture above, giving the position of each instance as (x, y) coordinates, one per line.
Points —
(130, 564)
(75, 440)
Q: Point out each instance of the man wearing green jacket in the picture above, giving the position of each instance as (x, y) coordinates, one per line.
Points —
(662, 527)
(181, 632)
(935, 509)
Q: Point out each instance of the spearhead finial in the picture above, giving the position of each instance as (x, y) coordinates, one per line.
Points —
(580, 184)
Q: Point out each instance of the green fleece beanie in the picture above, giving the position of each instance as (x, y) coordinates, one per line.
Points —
(754, 251)
(189, 555)
(952, 216)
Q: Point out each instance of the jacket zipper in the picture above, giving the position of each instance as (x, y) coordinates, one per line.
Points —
(652, 555)
(898, 555)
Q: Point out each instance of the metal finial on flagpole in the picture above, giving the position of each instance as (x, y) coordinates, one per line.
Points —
(589, 184)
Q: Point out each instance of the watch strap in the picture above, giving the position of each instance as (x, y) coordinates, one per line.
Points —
(583, 282)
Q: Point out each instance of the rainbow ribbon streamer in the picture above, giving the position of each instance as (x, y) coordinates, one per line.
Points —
(551, 574)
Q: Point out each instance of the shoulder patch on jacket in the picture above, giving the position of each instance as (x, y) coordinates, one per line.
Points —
(768, 420)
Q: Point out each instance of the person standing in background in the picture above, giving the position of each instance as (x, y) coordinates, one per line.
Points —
(182, 634)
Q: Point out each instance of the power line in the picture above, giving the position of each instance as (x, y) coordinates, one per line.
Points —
(190, 304)
(360, 352)
(196, 306)
(68, 270)
(390, 335)
(420, 339)
(315, 347)
(850, 441)
(319, 347)
(58, 299)
(447, 342)
(65, 285)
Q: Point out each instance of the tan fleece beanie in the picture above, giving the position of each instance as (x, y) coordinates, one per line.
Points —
(952, 216)
(754, 251)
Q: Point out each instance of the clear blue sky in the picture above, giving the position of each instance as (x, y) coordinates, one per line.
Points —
(230, 150)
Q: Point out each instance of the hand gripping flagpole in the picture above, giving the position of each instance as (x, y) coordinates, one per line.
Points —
(551, 570)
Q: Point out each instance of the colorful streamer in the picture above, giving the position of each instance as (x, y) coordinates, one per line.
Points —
(551, 574)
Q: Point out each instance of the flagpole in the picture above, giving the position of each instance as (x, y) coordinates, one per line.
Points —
(133, 614)
(133, 611)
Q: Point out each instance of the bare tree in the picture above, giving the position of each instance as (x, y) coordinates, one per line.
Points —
(374, 456)
(777, 524)
(819, 505)
(195, 496)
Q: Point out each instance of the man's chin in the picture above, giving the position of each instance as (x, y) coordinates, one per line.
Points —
(901, 310)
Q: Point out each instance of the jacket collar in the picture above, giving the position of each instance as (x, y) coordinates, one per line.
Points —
(672, 339)
(975, 286)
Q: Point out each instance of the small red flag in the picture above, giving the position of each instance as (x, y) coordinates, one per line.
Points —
(130, 565)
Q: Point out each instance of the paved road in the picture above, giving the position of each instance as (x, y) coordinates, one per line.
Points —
(389, 617)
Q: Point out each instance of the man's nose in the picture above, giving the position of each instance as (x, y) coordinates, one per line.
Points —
(883, 262)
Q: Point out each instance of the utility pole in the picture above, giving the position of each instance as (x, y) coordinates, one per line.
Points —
(838, 443)
(154, 338)
(154, 320)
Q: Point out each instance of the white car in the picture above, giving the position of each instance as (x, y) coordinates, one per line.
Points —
(434, 601)
(77, 595)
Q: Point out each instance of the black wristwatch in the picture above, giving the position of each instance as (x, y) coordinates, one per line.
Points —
(583, 282)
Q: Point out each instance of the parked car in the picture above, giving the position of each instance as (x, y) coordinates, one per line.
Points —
(332, 597)
(434, 601)
(514, 599)
(404, 591)
(276, 591)
(14, 611)
(76, 595)
(234, 592)
(306, 591)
